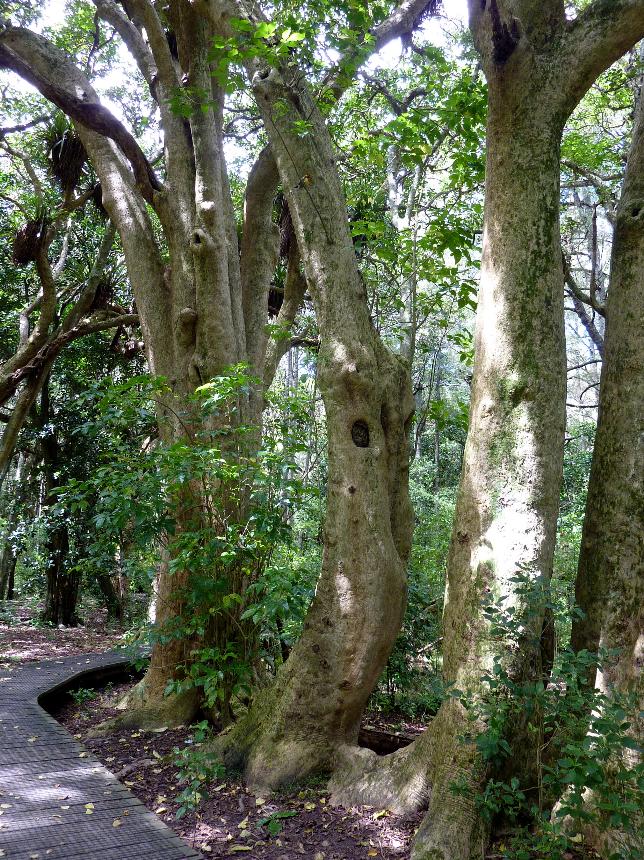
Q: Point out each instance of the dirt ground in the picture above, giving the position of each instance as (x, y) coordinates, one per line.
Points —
(23, 639)
(230, 820)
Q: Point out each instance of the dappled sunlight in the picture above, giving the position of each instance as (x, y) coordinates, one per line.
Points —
(344, 592)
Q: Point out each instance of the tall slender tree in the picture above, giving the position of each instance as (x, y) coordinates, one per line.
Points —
(610, 577)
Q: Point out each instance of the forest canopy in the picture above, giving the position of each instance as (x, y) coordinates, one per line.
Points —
(322, 385)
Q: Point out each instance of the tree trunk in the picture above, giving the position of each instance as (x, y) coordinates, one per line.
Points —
(319, 695)
(10, 547)
(504, 530)
(62, 582)
(610, 576)
(611, 560)
(8, 561)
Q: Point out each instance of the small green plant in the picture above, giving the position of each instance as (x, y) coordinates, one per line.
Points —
(83, 695)
(583, 775)
(196, 769)
(273, 822)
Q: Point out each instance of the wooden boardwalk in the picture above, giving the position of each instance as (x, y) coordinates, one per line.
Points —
(56, 800)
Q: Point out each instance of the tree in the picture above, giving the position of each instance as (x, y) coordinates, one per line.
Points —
(205, 310)
(538, 65)
(610, 575)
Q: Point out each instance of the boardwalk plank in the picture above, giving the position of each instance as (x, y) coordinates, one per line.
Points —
(43, 768)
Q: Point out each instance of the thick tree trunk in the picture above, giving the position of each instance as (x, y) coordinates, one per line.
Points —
(508, 497)
(317, 701)
(610, 576)
(504, 530)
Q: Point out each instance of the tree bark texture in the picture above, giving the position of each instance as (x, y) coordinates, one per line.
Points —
(317, 701)
(205, 309)
(537, 66)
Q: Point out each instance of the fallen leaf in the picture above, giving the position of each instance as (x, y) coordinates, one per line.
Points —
(259, 801)
(236, 848)
(372, 853)
(309, 806)
(117, 822)
(66, 806)
(82, 755)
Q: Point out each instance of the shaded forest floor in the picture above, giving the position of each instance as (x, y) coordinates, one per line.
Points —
(229, 822)
(232, 820)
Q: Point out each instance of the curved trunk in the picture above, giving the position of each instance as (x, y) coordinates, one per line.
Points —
(316, 704)
(320, 693)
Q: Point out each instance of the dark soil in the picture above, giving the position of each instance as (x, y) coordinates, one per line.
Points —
(228, 821)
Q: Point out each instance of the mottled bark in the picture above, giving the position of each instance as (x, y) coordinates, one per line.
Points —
(317, 701)
(611, 563)
(537, 67)
(610, 575)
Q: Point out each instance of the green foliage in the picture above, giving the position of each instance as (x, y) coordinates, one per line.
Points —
(83, 695)
(273, 822)
(581, 738)
(217, 504)
(197, 768)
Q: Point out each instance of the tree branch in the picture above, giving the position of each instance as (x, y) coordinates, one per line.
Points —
(294, 290)
(599, 36)
(401, 22)
(34, 58)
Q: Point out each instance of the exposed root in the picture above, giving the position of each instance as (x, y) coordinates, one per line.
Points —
(269, 756)
(398, 781)
(143, 711)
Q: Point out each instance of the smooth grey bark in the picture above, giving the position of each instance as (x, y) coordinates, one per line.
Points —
(538, 66)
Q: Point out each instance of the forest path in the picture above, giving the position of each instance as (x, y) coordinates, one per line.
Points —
(57, 800)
